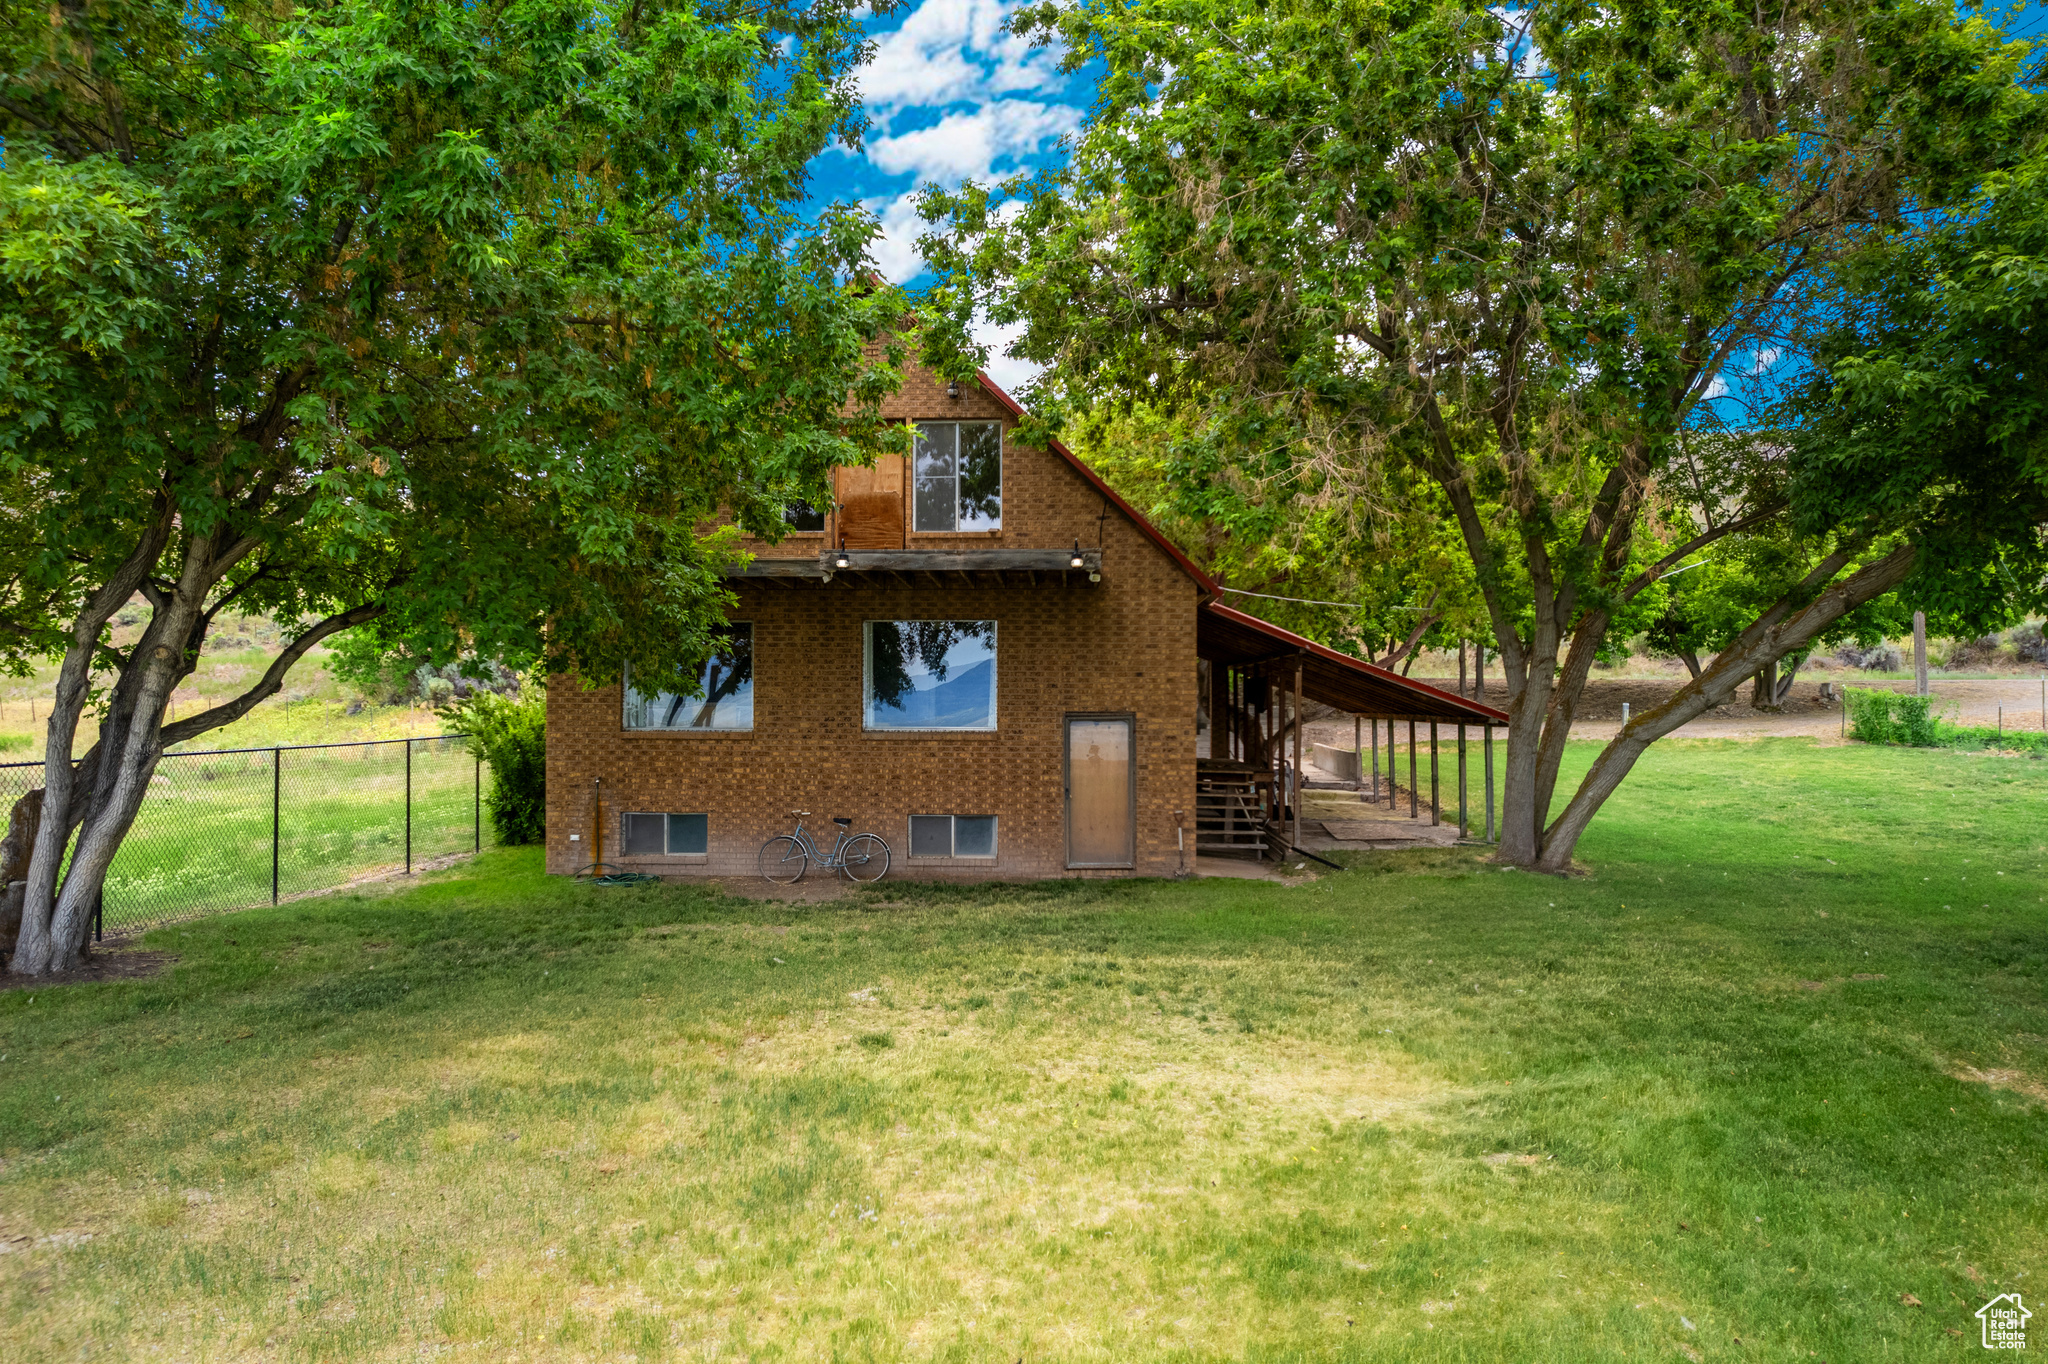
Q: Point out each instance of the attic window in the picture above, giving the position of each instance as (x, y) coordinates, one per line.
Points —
(958, 471)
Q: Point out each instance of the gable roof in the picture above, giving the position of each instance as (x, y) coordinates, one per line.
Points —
(1224, 634)
(1203, 581)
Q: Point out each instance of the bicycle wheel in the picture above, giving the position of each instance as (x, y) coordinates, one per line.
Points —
(864, 858)
(782, 860)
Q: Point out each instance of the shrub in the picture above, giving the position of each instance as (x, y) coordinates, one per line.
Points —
(1882, 656)
(511, 736)
(2028, 643)
(1886, 717)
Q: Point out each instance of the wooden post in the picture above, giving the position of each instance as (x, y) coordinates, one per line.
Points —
(1414, 784)
(1375, 760)
(1300, 776)
(1219, 707)
(1436, 804)
(1479, 670)
(1919, 653)
(1489, 783)
(1358, 752)
(1464, 823)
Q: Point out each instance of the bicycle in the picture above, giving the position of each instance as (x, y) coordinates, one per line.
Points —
(860, 857)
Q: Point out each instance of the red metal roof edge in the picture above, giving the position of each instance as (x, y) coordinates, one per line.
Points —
(1231, 613)
(1152, 532)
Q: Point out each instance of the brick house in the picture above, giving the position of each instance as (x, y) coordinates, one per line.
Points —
(988, 658)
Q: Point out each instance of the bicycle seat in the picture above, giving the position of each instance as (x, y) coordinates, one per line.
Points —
(843, 822)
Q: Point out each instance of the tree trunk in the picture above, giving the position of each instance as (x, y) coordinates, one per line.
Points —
(1796, 660)
(1764, 694)
(1780, 631)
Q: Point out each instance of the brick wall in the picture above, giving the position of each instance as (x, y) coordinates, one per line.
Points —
(1126, 644)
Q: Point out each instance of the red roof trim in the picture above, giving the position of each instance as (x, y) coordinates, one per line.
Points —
(1236, 616)
(1202, 580)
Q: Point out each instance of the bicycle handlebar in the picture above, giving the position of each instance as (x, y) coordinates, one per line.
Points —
(800, 813)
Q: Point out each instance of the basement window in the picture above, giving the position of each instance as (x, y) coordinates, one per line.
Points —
(724, 702)
(665, 835)
(957, 468)
(953, 836)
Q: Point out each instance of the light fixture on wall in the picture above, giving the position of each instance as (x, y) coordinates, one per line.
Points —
(953, 388)
(843, 561)
(1076, 561)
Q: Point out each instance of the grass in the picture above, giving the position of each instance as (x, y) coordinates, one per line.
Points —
(1774, 1064)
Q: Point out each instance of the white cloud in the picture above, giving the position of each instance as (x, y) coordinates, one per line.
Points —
(895, 251)
(968, 145)
(949, 50)
(1010, 373)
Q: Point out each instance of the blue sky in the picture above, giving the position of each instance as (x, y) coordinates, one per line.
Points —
(952, 97)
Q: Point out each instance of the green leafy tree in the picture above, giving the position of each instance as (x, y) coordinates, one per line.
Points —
(511, 735)
(452, 323)
(1514, 254)
(1379, 579)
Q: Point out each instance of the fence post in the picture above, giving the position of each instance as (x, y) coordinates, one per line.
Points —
(276, 767)
(480, 802)
(408, 807)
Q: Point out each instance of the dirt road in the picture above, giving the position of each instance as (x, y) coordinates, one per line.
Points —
(1965, 702)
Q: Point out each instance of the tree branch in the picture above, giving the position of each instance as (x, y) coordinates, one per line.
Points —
(273, 677)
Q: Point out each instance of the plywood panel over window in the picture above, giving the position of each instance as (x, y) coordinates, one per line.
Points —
(871, 505)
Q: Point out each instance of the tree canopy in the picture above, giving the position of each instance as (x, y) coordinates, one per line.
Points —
(456, 322)
(1515, 256)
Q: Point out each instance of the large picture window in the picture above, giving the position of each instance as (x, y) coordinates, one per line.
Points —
(725, 699)
(931, 674)
(958, 470)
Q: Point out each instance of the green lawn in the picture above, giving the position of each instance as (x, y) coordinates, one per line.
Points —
(1777, 1062)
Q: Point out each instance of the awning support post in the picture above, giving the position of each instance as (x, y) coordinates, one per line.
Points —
(1436, 804)
(1358, 752)
(1300, 777)
(1488, 743)
(1464, 822)
(1375, 722)
(1414, 785)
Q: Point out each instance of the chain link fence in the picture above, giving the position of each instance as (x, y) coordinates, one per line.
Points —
(225, 829)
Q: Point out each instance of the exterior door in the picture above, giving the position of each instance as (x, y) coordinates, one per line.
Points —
(1102, 790)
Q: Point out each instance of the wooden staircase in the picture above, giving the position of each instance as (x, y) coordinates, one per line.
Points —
(1231, 800)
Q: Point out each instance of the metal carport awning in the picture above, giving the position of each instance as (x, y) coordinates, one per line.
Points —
(1229, 638)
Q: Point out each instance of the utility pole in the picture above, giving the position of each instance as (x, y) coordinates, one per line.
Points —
(1919, 653)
